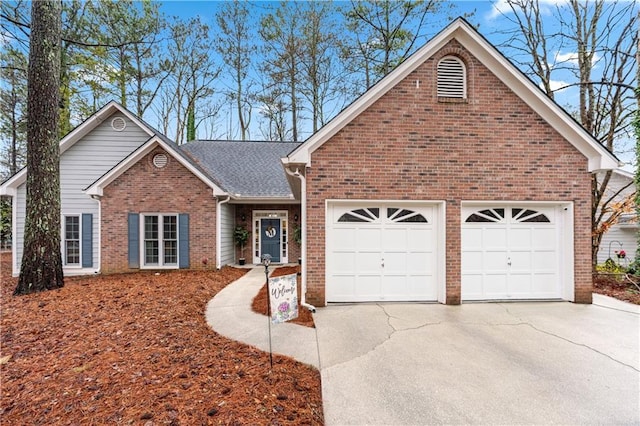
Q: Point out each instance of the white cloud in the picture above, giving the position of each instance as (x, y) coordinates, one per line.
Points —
(498, 8)
(556, 85)
(501, 7)
(572, 58)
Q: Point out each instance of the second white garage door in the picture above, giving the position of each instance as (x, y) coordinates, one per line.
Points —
(511, 252)
(381, 252)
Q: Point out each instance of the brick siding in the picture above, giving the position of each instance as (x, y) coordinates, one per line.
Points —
(146, 189)
(410, 145)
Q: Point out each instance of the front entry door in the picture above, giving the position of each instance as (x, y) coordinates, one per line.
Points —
(270, 238)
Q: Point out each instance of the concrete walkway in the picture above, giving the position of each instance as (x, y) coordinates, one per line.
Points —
(477, 363)
(229, 313)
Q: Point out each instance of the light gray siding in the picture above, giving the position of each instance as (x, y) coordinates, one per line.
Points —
(612, 240)
(226, 213)
(81, 165)
(623, 233)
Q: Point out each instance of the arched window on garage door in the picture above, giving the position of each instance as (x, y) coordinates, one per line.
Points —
(497, 215)
(372, 214)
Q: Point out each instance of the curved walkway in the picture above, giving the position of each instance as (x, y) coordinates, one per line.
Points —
(229, 313)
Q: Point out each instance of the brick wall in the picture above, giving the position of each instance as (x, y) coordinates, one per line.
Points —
(411, 146)
(146, 189)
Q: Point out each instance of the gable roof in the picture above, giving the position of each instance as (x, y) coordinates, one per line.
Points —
(10, 185)
(599, 158)
(97, 187)
(245, 169)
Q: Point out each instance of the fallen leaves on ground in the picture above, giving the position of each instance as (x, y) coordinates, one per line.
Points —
(259, 304)
(135, 349)
(617, 286)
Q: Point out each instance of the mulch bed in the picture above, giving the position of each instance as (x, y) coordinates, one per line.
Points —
(259, 304)
(135, 349)
(616, 285)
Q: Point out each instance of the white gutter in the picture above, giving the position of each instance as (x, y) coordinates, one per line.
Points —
(219, 231)
(303, 245)
(14, 236)
(99, 268)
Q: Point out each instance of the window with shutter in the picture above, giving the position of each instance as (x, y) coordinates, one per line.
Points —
(452, 78)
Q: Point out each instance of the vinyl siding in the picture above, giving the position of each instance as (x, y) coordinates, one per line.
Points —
(81, 165)
(226, 238)
(626, 235)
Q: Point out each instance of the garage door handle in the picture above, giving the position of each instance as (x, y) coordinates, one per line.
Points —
(382, 264)
(509, 261)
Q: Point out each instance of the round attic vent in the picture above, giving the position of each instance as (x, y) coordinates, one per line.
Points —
(160, 160)
(118, 124)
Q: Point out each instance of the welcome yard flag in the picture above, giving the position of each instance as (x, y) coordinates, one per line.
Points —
(283, 298)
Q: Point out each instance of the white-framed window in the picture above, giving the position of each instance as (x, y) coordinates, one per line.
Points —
(71, 247)
(159, 236)
(452, 78)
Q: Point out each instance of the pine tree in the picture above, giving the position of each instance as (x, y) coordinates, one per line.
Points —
(41, 259)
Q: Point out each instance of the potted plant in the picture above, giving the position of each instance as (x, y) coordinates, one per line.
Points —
(241, 235)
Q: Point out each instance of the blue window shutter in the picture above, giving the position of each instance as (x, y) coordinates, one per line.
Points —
(183, 240)
(87, 240)
(134, 240)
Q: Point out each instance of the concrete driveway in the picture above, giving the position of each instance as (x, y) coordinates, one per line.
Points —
(484, 363)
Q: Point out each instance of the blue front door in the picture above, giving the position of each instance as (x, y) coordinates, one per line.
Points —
(270, 238)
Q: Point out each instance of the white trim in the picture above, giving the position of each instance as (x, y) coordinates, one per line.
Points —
(141, 230)
(98, 186)
(439, 215)
(98, 267)
(63, 241)
(14, 236)
(599, 158)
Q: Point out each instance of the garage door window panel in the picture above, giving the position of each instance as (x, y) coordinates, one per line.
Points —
(371, 214)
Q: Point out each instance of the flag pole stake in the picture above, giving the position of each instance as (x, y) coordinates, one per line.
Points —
(266, 262)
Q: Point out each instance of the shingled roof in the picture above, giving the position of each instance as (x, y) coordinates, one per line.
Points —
(245, 169)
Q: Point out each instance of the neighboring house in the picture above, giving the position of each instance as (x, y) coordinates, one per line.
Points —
(623, 236)
(454, 178)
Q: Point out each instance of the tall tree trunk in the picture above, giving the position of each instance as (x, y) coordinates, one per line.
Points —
(41, 260)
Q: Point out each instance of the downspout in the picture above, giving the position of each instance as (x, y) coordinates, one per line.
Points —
(97, 198)
(219, 232)
(303, 246)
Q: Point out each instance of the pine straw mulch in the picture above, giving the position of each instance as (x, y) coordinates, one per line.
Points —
(617, 286)
(259, 304)
(135, 349)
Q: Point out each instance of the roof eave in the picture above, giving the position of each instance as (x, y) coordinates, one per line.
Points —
(239, 199)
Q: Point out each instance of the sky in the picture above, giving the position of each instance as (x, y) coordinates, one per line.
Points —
(488, 15)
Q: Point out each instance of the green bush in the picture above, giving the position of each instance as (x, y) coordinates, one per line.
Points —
(611, 267)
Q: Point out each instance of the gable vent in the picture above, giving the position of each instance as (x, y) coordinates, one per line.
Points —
(118, 124)
(451, 78)
(160, 160)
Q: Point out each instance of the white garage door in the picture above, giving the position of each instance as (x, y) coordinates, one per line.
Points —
(510, 252)
(381, 252)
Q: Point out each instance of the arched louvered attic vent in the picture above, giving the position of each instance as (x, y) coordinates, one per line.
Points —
(452, 78)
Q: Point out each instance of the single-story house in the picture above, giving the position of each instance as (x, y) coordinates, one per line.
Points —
(623, 235)
(452, 179)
